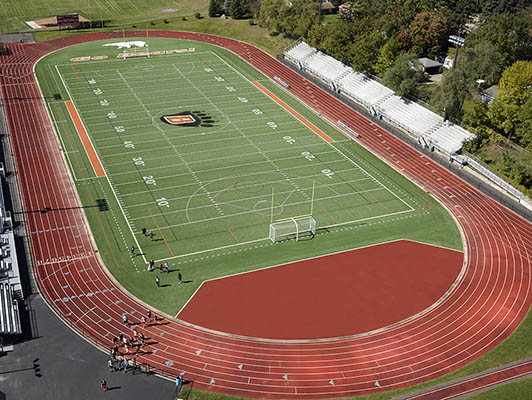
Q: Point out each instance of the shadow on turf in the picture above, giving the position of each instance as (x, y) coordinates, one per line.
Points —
(101, 204)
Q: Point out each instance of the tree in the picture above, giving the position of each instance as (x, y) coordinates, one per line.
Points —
(387, 56)
(239, 9)
(404, 75)
(292, 18)
(338, 41)
(511, 111)
(511, 35)
(365, 51)
(479, 62)
(216, 8)
(426, 34)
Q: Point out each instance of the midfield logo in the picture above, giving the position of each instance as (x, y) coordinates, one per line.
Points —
(189, 118)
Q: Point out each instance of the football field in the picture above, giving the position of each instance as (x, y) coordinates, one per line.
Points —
(197, 154)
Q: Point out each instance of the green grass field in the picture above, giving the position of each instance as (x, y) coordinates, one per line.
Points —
(14, 13)
(206, 191)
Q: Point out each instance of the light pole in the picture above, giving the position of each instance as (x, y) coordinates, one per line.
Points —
(458, 41)
(90, 19)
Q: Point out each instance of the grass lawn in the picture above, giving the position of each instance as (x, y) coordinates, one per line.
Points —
(13, 13)
(236, 29)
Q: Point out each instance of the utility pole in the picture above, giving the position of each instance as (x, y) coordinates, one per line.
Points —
(319, 14)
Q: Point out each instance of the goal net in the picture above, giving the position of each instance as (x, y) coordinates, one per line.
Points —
(293, 228)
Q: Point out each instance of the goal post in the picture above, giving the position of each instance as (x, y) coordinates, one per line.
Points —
(292, 228)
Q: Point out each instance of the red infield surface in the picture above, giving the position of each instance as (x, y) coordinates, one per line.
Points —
(483, 309)
(343, 294)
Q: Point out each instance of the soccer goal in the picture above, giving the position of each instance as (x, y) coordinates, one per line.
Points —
(293, 228)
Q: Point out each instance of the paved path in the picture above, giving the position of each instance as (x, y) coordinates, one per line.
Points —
(71, 368)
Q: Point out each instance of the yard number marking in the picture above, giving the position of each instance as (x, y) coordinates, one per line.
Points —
(138, 161)
(328, 173)
(149, 180)
(289, 139)
(309, 156)
(162, 202)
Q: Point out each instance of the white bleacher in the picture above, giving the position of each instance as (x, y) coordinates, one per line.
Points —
(325, 67)
(409, 115)
(376, 97)
(9, 313)
(449, 137)
(363, 89)
(299, 52)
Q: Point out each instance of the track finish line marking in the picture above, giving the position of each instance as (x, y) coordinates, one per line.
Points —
(87, 144)
(302, 119)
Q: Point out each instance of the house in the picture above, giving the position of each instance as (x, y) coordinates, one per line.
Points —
(490, 94)
(328, 8)
(430, 67)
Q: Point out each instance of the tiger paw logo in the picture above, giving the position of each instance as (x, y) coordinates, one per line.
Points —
(189, 118)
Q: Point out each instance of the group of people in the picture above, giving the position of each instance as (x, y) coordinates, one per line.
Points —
(125, 346)
(151, 265)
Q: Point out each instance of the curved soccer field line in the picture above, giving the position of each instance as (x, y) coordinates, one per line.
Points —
(485, 307)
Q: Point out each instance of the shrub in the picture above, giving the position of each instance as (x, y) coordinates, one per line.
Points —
(197, 15)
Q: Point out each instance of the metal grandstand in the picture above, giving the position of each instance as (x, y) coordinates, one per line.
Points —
(325, 67)
(377, 98)
(299, 52)
(10, 285)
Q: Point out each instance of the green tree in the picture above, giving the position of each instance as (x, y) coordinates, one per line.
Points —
(365, 51)
(510, 33)
(511, 111)
(404, 75)
(339, 40)
(292, 18)
(239, 9)
(460, 83)
(216, 8)
(388, 53)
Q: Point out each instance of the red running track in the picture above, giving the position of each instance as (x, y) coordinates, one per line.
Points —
(483, 308)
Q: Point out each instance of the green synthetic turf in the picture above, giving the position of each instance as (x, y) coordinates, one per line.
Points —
(206, 191)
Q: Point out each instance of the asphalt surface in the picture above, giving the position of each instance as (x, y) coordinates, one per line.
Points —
(69, 368)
